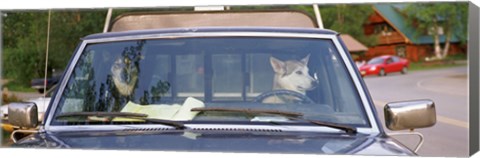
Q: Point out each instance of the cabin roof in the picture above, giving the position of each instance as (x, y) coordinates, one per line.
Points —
(392, 14)
(352, 44)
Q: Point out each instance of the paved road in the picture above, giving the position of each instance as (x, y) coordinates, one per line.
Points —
(448, 89)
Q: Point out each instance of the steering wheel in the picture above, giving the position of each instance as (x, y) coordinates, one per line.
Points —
(285, 96)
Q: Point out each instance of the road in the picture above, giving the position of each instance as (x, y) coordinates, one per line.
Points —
(448, 89)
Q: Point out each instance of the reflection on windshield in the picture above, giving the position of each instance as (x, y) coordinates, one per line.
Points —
(166, 78)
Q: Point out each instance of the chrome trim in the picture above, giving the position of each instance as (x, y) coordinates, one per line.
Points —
(23, 114)
(410, 114)
(12, 136)
(63, 83)
(209, 34)
(341, 51)
(207, 126)
(351, 68)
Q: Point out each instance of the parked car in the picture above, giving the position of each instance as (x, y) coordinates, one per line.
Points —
(384, 65)
(39, 83)
(218, 89)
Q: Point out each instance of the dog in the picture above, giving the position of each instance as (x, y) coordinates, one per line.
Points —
(124, 75)
(290, 75)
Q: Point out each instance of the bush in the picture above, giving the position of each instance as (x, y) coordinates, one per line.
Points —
(8, 98)
(458, 56)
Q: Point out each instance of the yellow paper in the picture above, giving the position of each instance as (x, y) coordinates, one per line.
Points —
(164, 111)
(184, 112)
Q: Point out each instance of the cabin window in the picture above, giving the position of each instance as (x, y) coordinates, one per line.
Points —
(383, 28)
(401, 51)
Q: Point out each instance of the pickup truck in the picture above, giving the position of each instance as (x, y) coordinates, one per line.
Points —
(248, 89)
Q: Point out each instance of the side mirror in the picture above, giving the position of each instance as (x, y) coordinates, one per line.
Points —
(410, 114)
(23, 114)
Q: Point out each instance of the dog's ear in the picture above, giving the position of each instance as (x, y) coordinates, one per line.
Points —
(305, 60)
(277, 65)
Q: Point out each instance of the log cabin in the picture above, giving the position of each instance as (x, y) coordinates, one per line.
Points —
(395, 37)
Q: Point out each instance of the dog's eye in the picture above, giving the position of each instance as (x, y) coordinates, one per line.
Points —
(299, 72)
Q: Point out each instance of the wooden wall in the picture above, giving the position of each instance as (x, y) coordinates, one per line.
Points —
(388, 42)
(390, 38)
(373, 19)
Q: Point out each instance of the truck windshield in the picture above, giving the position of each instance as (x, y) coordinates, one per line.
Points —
(167, 78)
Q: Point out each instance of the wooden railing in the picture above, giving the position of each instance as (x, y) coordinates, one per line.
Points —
(390, 38)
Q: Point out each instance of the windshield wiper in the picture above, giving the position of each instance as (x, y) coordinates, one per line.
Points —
(250, 111)
(347, 129)
(289, 115)
(130, 115)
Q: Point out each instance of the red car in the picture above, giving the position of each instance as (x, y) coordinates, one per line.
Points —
(383, 65)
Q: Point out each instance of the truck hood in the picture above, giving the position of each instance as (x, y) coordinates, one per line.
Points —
(221, 141)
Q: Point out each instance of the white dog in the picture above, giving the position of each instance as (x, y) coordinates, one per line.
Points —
(290, 75)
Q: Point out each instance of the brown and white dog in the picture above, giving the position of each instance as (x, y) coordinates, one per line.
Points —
(124, 75)
(290, 75)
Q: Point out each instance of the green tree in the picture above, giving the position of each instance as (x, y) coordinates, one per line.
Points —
(439, 19)
(348, 19)
(23, 44)
(25, 35)
(343, 18)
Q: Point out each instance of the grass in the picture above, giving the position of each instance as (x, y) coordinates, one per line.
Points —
(419, 66)
(449, 61)
(459, 56)
(12, 86)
